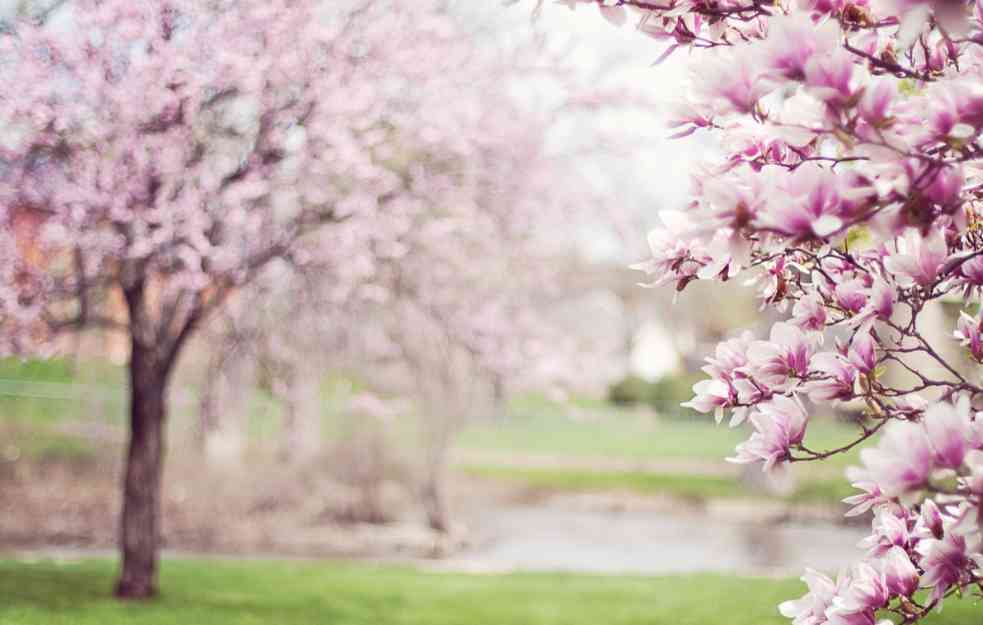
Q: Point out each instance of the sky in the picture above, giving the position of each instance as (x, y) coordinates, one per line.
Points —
(658, 175)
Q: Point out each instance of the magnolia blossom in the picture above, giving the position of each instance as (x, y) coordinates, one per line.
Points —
(946, 561)
(779, 425)
(809, 312)
(889, 531)
(809, 204)
(728, 385)
(811, 609)
(969, 333)
(900, 575)
(838, 376)
(902, 462)
(784, 356)
(862, 352)
(849, 190)
(918, 258)
(881, 297)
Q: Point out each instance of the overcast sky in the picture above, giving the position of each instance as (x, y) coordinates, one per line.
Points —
(658, 176)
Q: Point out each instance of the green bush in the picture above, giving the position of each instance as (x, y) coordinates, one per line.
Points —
(631, 391)
(664, 395)
(670, 391)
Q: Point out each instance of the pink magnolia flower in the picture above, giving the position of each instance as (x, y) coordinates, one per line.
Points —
(784, 356)
(711, 396)
(869, 498)
(947, 426)
(969, 333)
(839, 376)
(808, 205)
(677, 254)
(930, 519)
(866, 593)
(809, 313)
(729, 357)
(779, 424)
(900, 575)
(862, 353)
(970, 274)
(902, 461)
(956, 110)
(945, 185)
(727, 385)
(889, 530)
(875, 104)
(945, 562)
(737, 83)
(821, 7)
(772, 284)
(843, 616)
(829, 76)
(811, 608)
(918, 259)
(880, 302)
(851, 295)
(794, 40)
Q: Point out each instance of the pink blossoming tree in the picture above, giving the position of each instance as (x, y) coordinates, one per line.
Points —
(172, 151)
(850, 191)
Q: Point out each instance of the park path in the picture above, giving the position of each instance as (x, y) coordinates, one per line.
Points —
(564, 535)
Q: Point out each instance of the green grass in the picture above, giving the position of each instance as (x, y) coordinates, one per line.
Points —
(294, 593)
(51, 391)
(628, 436)
(50, 370)
(688, 486)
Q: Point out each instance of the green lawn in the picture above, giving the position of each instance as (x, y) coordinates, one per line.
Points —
(294, 593)
(830, 490)
(629, 436)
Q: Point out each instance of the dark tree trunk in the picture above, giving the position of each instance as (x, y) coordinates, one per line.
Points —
(434, 505)
(140, 519)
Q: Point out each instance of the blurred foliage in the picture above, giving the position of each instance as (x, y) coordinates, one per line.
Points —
(663, 395)
(631, 391)
(672, 390)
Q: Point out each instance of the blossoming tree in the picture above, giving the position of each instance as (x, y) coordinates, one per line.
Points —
(851, 192)
(459, 302)
(172, 150)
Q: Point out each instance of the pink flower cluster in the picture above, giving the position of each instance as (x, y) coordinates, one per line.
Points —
(850, 192)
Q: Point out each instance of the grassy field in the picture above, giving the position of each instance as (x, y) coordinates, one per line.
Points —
(631, 436)
(294, 593)
(634, 438)
(686, 486)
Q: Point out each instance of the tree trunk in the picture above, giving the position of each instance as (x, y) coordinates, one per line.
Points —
(434, 505)
(140, 520)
